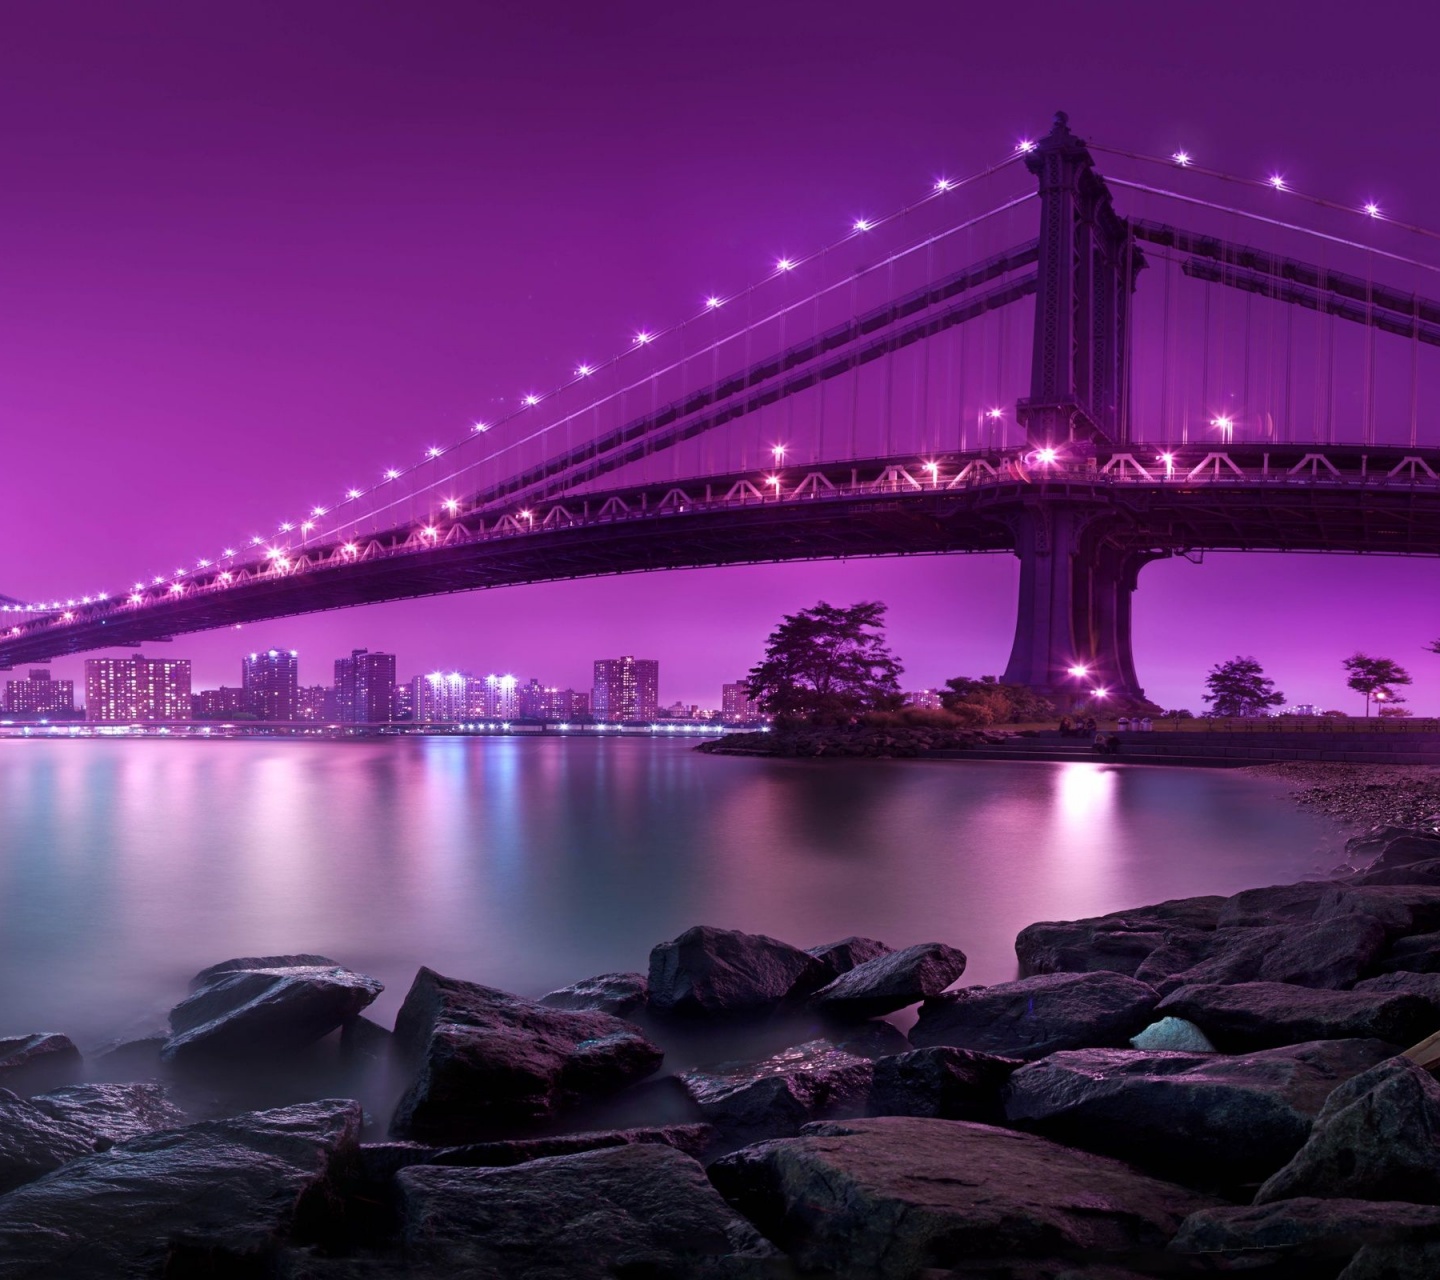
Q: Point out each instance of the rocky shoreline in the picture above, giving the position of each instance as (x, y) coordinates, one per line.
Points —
(1361, 795)
(1201, 1085)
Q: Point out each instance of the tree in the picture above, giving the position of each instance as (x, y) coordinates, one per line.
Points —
(1374, 677)
(1240, 688)
(1003, 703)
(828, 664)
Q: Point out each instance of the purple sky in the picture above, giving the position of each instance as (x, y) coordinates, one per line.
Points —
(249, 248)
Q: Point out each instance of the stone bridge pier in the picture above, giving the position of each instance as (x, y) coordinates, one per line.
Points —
(1076, 584)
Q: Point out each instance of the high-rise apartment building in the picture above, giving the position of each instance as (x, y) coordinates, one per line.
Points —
(564, 704)
(365, 687)
(442, 696)
(530, 699)
(736, 704)
(502, 698)
(217, 704)
(316, 702)
(39, 695)
(272, 685)
(128, 690)
(626, 689)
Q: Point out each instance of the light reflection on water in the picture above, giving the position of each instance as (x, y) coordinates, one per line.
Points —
(528, 863)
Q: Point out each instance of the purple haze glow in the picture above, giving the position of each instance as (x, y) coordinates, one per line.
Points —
(256, 251)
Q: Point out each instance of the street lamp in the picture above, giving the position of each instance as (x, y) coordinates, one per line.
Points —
(1079, 671)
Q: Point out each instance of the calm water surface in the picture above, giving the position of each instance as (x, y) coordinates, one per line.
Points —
(526, 864)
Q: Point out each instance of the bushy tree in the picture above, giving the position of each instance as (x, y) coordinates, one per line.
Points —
(827, 664)
(1240, 688)
(1375, 677)
(987, 701)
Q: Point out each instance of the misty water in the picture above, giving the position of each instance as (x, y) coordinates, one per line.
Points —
(126, 866)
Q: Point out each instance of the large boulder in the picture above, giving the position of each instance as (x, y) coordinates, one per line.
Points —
(1418, 953)
(620, 994)
(41, 1133)
(1405, 850)
(34, 1063)
(1272, 905)
(1376, 1138)
(214, 1198)
(1413, 1260)
(890, 982)
(1303, 1232)
(894, 1196)
(490, 1064)
(264, 1004)
(1401, 909)
(1205, 1118)
(773, 1098)
(638, 1210)
(1414, 873)
(942, 1083)
(1330, 953)
(722, 972)
(1118, 942)
(1423, 986)
(840, 957)
(1038, 1016)
(1265, 1015)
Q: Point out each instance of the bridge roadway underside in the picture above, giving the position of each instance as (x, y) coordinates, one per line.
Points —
(1081, 539)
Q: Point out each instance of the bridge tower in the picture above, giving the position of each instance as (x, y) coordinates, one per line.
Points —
(1076, 579)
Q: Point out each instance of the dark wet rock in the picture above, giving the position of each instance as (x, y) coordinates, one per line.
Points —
(840, 957)
(1330, 953)
(942, 1083)
(1272, 905)
(1416, 1260)
(640, 1210)
(774, 1097)
(1415, 873)
(1401, 909)
(1210, 1119)
(728, 973)
(891, 982)
(1265, 1015)
(1423, 986)
(34, 1063)
(133, 1059)
(1419, 953)
(1406, 850)
(1176, 1035)
(1376, 1138)
(1364, 849)
(260, 1005)
(364, 1041)
(1037, 1016)
(490, 1064)
(1305, 1229)
(1117, 943)
(871, 1039)
(39, 1134)
(618, 993)
(211, 1199)
(892, 1196)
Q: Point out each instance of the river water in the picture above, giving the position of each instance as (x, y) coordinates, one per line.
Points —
(126, 866)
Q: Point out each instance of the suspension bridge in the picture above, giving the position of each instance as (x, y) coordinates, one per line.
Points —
(1090, 394)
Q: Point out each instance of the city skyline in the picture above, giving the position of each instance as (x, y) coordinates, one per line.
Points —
(251, 263)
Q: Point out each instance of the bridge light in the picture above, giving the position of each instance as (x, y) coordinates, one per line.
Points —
(943, 184)
(1101, 693)
(779, 452)
(434, 451)
(228, 552)
(1372, 209)
(135, 598)
(643, 337)
(204, 564)
(286, 526)
(307, 526)
(352, 494)
(317, 511)
(350, 548)
(1223, 422)
(531, 400)
(773, 480)
(430, 531)
(158, 579)
(273, 553)
(1025, 146)
(995, 414)
(392, 474)
(584, 371)
(1277, 180)
(67, 616)
(256, 540)
(1079, 671)
(1182, 158)
(863, 224)
(528, 515)
(712, 302)
(784, 264)
(482, 427)
(452, 505)
(1046, 455)
(176, 588)
(226, 576)
(102, 596)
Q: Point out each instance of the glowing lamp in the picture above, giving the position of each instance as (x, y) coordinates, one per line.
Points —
(995, 414)
(1079, 671)
(532, 400)
(943, 184)
(1025, 146)
(863, 224)
(1277, 181)
(1182, 158)
(583, 371)
(1372, 209)
(434, 451)
(785, 264)
(642, 338)
(392, 474)
(1102, 693)
(1046, 455)
(712, 302)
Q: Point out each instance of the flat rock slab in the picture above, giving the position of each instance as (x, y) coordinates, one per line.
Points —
(1264, 1015)
(1038, 1016)
(892, 1196)
(1305, 1228)
(776, 1096)
(1117, 943)
(1209, 1119)
(215, 1198)
(34, 1063)
(840, 957)
(1376, 1138)
(726, 973)
(265, 1004)
(942, 1083)
(620, 994)
(637, 1210)
(1418, 953)
(491, 1064)
(890, 982)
